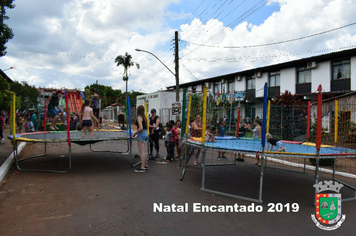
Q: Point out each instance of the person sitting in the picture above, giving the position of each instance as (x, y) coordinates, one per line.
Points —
(276, 145)
(209, 137)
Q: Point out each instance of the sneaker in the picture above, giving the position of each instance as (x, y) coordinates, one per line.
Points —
(157, 155)
(2, 141)
(150, 155)
(139, 170)
(224, 157)
(147, 168)
(219, 158)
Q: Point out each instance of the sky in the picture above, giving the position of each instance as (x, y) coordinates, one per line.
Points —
(73, 43)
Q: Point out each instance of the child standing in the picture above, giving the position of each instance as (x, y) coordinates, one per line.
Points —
(168, 143)
(86, 117)
(95, 106)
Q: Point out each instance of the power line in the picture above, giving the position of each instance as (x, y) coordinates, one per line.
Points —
(271, 56)
(274, 43)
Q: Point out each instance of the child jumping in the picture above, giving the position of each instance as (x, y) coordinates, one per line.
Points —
(86, 117)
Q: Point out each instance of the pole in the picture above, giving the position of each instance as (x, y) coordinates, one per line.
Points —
(318, 120)
(176, 60)
(336, 125)
(204, 115)
(308, 121)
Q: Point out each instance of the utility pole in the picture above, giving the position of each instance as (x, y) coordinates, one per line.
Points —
(176, 61)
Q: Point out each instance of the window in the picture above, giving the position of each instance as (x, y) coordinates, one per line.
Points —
(304, 75)
(274, 79)
(216, 87)
(231, 86)
(341, 69)
(251, 82)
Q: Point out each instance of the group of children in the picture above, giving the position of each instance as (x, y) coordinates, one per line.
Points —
(172, 139)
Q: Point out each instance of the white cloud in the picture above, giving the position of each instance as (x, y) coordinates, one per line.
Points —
(79, 40)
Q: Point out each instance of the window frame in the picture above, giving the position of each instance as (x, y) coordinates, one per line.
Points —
(276, 75)
(305, 70)
(341, 63)
(253, 79)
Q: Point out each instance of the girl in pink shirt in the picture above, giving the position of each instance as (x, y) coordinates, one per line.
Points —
(86, 117)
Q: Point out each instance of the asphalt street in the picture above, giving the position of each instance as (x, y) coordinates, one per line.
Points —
(102, 195)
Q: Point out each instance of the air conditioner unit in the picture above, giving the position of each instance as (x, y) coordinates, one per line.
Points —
(312, 65)
(258, 74)
(238, 78)
(207, 84)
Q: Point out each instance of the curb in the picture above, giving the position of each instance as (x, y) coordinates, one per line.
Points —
(4, 168)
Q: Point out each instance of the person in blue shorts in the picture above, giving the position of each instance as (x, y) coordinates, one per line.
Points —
(142, 138)
(52, 104)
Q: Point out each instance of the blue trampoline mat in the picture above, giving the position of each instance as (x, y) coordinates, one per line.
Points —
(252, 145)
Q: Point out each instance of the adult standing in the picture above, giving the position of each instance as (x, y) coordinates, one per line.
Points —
(154, 134)
(256, 134)
(241, 134)
(35, 120)
(196, 131)
(142, 138)
(52, 104)
(221, 133)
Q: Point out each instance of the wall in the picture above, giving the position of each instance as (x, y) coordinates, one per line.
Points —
(353, 73)
(260, 83)
(321, 75)
(288, 80)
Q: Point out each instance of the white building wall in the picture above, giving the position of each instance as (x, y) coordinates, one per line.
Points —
(321, 75)
(260, 83)
(353, 73)
(240, 85)
(288, 80)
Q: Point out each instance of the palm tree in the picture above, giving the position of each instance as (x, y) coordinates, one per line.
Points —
(126, 62)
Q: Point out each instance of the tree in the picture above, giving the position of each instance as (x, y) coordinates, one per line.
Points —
(5, 31)
(6, 95)
(28, 94)
(108, 95)
(126, 62)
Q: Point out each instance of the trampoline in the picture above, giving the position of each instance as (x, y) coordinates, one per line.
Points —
(298, 151)
(249, 146)
(69, 137)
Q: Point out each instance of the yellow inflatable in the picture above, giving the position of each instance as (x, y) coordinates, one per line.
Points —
(314, 144)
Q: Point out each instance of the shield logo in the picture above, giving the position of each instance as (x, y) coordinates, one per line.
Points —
(328, 208)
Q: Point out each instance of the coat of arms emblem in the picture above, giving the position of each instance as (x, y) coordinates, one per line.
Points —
(328, 205)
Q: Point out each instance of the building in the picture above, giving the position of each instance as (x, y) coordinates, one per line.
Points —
(161, 101)
(332, 71)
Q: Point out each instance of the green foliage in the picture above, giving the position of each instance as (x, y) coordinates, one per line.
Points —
(5, 31)
(196, 106)
(27, 94)
(109, 96)
(6, 95)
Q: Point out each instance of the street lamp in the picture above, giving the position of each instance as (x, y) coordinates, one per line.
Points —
(175, 75)
(9, 68)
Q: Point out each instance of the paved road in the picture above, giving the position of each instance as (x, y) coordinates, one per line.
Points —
(102, 195)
